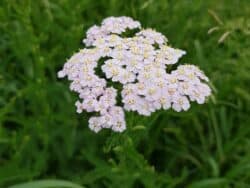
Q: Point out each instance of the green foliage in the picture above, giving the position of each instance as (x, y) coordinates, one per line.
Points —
(47, 184)
(42, 137)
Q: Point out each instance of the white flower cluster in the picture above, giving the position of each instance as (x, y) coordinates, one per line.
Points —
(111, 25)
(138, 63)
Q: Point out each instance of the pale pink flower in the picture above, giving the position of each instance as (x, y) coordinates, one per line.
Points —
(138, 65)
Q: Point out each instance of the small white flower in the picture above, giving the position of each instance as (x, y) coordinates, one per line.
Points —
(95, 124)
(119, 126)
(61, 74)
(89, 104)
(163, 102)
(153, 36)
(79, 107)
(131, 102)
(180, 103)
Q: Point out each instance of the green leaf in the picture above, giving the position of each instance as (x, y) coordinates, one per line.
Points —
(208, 183)
(47, 184)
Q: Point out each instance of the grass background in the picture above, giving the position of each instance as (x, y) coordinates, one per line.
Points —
(42, 137)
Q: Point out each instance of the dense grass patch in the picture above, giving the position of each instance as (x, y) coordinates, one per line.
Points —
(42, 137)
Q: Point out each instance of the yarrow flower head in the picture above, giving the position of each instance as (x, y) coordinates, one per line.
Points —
(139, 64)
